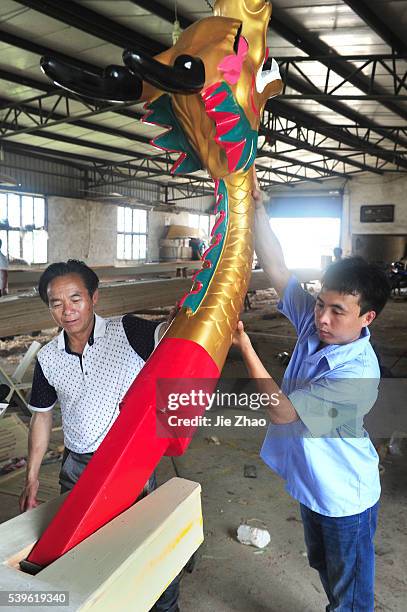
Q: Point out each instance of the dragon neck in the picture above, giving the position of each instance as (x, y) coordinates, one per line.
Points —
(210, 311)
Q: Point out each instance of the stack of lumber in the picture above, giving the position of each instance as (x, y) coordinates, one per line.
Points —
(22, 314)
(304, 275)
(27, 278)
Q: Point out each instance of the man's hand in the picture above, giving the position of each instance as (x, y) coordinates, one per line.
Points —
(164, 326)
(240, 338)
(173, 313)
(28, 498)
(38, 440)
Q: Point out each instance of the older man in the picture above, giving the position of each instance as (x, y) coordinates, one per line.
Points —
(88, 368)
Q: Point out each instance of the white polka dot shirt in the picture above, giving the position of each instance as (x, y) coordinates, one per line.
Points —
(89, 387)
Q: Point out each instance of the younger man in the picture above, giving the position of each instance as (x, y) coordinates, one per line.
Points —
(316, 441)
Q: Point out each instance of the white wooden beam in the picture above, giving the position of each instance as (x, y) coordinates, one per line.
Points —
(124, 566)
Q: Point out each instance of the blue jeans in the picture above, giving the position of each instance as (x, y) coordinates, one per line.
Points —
(342, 551)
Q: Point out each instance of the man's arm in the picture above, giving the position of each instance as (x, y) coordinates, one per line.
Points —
(38, 440)
(280, 412)
(267, 246)
(165, 325)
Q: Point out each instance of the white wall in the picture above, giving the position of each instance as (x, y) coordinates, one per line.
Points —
(86, 230)
(81, 229)
(372, 190)
(368, 189)
(157, 223)
(379, 190)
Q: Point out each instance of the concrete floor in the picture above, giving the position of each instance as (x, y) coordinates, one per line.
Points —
(232, 577)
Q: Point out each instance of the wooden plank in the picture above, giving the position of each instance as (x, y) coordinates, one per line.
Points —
(25, 278)
(26, 313)
(259, 279)
(125, 565)
(13, 438)
(13, 483)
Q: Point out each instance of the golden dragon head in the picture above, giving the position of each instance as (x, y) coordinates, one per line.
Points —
(208, 90)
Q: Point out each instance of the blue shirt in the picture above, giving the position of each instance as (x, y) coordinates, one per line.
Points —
(326, 458)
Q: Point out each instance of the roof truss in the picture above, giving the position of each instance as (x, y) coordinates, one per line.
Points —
(340, 150)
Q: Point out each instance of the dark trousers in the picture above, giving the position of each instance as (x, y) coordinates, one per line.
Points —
(72, 467)
(342, 551)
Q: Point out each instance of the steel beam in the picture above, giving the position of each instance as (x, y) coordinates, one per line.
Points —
(297, 36)
(326, 97)
(291, 161)
(52, 155)
(377, 24)
(88, 166)
(319, 52)
(83, 18)
(13, 116)
(295, 82)
(46, 118)
(32, 47)
(353, 57)
(301, 143)
(391, 66)
(285, 124)
(49, 118)
(166, 14)
(43, 86)
(47, 4)
(300, 38)
(299, 116)
(337, 106)
(285, 173)
(89, 144)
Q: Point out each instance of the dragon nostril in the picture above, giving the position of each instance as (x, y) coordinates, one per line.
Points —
(186, 62)
(237, 39)
(193, 65)
(186, 76)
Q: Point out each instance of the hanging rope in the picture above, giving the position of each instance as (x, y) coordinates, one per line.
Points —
(176, 33)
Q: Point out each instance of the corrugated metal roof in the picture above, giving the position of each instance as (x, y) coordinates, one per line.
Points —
(324, 124)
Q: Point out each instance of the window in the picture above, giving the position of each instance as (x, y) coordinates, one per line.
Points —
(23, 227)
(200, 222)
(131, 233)
(306, 240)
